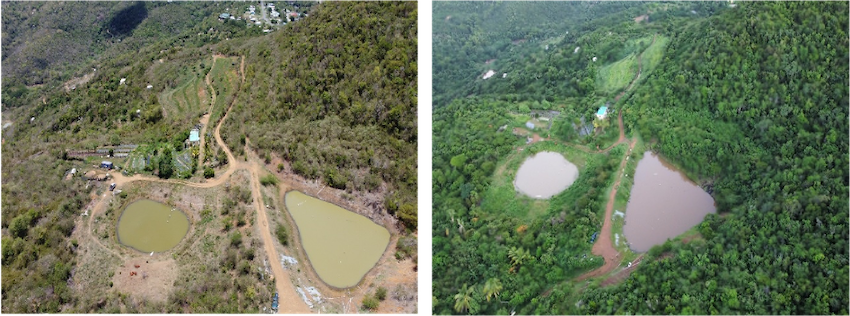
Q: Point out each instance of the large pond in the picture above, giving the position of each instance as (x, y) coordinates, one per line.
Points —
(342, 245)
(544, 175)
(664, 203)
(148, 226)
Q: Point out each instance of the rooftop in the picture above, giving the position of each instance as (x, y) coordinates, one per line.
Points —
(602, 110)
(193, 136)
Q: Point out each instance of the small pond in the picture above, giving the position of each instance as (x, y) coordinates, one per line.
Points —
(545, 174)
(664, 203)
(342, 245)
(147, 226)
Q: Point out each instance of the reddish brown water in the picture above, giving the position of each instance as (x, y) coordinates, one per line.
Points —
(663, 204)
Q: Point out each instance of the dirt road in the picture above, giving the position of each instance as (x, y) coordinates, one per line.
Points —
(603, 245)
(289, 300)
(206, 118)
(623, 274)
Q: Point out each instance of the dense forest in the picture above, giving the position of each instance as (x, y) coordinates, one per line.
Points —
(336, 106)
(761, 109)
(751, 100)
(62, 65)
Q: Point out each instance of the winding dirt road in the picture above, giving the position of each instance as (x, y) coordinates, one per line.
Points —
(290, 301)
(603, 245)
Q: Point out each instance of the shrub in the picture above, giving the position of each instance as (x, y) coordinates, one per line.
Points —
(236, 239)
(248, 253)
(240, 219)
(228, 262)
(282, 235)
(381, 293)
(268, 179)
(244, 267)
(209, 172)
(370, 302)
(227, 222)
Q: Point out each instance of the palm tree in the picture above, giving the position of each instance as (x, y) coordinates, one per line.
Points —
(492, 288)
(518, 256)
(463, 299)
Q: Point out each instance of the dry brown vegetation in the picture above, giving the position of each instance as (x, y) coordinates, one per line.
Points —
(207, 271)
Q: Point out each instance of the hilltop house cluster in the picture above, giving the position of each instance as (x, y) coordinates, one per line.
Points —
(258, 16)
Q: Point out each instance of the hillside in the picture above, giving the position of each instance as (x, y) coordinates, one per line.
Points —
(340, 112)
(50, 40)
(769, 128)
(749, 101)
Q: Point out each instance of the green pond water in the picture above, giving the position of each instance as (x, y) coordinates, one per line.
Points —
(342, 245)
(147, 226)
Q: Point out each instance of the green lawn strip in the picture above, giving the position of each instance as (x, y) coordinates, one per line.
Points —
(502, 197)
(615, 77)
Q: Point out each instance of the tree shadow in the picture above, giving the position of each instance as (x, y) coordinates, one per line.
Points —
(126, 20)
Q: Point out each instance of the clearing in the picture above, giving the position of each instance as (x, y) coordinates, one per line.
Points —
(151, 280)
(614, 77)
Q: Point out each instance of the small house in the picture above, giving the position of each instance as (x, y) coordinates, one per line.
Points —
(194, 137)
(529, 125)
(224, 16)
(149, 87)
(603, 111)
(123, 80)
(106, 164)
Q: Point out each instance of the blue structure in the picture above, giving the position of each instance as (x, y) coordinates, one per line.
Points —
(529, 125)
(602, 111)
(593, 238)
(194, 137)
(106, 164)
(224, 16)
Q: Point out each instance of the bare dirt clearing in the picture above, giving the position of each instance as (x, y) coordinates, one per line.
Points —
(77, 81)
(152, 280)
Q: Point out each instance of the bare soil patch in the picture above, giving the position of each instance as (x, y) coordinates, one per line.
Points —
(623, 274)
(641, 18)
(152, 280)
(76, 81)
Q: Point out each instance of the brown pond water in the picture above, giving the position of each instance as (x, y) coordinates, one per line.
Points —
(342, 245)
(151, 226)
(663, 204)
(545, 174)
